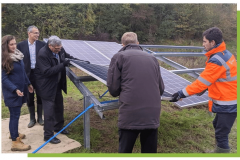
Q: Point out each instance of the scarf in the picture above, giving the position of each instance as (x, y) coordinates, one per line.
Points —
(16, 56)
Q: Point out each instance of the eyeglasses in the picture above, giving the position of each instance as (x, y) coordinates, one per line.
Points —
(35, 33)
(57, 48)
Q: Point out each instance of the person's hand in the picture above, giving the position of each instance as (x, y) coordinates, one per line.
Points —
(66, 63)
(175, 97)
(19, 93)
(30, 88)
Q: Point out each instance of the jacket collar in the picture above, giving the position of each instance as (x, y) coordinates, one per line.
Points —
(131, 46)
(49, 52)
(218, 48)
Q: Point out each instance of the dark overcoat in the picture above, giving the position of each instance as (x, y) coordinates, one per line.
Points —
(135, 77)
(46, 71)
(16, 79)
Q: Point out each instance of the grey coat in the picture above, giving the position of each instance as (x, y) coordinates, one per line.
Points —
(134, 76)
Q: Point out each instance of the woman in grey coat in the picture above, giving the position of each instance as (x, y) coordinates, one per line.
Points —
(15, 86)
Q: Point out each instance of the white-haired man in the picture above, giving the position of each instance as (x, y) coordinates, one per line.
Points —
(51, 80)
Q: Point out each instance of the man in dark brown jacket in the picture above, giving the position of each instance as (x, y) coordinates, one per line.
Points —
(134, 76)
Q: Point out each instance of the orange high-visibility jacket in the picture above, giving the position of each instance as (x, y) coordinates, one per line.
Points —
(220, 78)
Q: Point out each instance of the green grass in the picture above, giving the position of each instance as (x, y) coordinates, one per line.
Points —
(187, 130)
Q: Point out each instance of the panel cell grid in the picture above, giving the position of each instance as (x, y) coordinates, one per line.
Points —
(96, 71)
(174, 83)
(106, 48)
(79, 49)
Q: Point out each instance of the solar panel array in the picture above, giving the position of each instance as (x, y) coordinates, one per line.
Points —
(100, 54)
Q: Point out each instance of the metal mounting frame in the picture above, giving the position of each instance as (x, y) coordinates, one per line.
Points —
(89, 98)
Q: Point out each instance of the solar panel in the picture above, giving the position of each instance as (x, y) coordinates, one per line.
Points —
(174, 83)
(96, 71)
(81, 50)
(106, 48)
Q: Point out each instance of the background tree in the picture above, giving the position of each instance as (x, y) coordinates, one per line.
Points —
(107, 22)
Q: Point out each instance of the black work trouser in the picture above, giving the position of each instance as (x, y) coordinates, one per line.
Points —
(148, 140)
(53, 114)
(222, 124)
(30, 96)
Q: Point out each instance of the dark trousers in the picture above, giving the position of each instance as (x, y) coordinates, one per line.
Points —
(30, 96)
(148, 140)
(13, 123)
(222, 124)
(53, 114)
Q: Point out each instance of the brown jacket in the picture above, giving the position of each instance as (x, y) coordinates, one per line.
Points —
(135, 77)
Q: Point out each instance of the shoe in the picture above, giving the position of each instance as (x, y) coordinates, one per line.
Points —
(53, 141)
(32, 116)
(63, 132)
(18, 145)
(22, 136)
(221, 150)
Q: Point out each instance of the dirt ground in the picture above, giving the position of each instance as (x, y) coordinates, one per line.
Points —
(34, 137)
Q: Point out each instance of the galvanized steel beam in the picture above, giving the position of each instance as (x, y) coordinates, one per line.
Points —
(180, 71)
(178, 54)
(172, 47)
(172, 63)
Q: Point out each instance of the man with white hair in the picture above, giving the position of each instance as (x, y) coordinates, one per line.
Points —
(50, 75)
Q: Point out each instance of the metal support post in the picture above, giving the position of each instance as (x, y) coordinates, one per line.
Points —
(86, 124)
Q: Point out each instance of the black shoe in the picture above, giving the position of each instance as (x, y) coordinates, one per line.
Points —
(53, 141)
(31, 123)
(63, 132)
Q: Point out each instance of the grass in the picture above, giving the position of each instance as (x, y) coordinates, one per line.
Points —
(187, 130)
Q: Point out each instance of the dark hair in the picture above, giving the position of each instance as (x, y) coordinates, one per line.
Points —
(213, 33)
(7, 62)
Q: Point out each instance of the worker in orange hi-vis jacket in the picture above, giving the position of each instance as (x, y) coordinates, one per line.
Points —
(220, 79)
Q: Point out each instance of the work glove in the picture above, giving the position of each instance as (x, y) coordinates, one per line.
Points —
(66, 63)
(175, 97)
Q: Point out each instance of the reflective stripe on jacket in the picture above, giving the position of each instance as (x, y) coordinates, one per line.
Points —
(220, 78)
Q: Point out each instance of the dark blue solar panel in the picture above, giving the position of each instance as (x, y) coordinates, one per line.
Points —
(96, 71)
